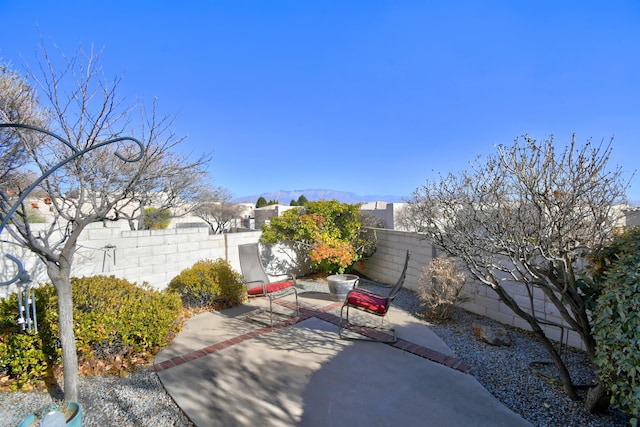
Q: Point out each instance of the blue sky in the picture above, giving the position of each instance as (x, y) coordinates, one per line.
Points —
(371, 97)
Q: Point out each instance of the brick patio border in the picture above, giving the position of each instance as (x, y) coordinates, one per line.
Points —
(322, 314)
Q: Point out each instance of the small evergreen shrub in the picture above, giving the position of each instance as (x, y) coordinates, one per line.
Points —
(116, 318)
(209, 283)
(616, 321)
(26, 359)
(34, 216)
(439, 287)
(156, 219)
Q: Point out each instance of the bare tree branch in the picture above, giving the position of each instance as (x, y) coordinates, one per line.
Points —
(529, 215)
(85, 111)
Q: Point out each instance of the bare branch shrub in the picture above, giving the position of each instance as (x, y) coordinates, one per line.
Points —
(439, 288)
(529, 215)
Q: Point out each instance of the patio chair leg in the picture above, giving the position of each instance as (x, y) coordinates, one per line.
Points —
(270, 310)
(344, 323)
(340, 327)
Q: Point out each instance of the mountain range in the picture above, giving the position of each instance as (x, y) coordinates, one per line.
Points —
(285, 196)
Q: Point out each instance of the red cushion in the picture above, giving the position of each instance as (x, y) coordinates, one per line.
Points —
(368, 302)
(271, 287)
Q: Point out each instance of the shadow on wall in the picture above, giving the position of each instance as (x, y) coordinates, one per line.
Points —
(281, 259)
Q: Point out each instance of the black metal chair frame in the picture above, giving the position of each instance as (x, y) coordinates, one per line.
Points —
(388, 297)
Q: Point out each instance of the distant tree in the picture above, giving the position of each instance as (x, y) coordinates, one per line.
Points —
(531, 215)
(369, 220)
(171, 183)
(215, 208)
(261, 203)
(156, 219)
(302, 201)
(85, 111)
(18, 104)
(293, 203)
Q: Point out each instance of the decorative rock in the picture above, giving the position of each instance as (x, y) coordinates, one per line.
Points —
(598, 398)
(492, 336)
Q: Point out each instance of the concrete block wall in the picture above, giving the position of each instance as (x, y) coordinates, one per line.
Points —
(152, 256)
(156, 256)
(385, 266)
(386, 263)
(484, 301)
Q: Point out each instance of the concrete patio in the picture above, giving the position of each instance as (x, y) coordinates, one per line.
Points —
(225, 368)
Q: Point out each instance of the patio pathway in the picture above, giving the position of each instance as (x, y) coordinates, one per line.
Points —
(225, 370)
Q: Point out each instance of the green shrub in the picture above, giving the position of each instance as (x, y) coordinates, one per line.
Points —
(331, 233)
(34, 216)
(616, 321)
(25, 359)
(209, 284)
(156, 219)
(114, 319)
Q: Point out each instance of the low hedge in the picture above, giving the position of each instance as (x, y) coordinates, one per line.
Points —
(616, 320)
(117, 326)
(209, 284)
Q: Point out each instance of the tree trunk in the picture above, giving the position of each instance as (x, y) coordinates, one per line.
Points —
(565, 377)
(60, 276)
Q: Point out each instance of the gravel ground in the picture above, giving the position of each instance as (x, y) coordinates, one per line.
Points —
(140, 399)
(505, 372)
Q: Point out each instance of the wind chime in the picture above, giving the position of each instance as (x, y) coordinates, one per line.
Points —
(27, 317)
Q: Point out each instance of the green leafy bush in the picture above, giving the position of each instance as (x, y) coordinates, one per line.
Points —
(116, 317)
(616, 321)
(25, 359)
(156, 219)
(209, 284)
(117, 325)
(330, 232)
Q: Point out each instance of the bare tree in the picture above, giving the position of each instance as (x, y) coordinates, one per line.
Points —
(171, 181)
(18, 104)
(214, 208)
(528, 215)
(89, 182)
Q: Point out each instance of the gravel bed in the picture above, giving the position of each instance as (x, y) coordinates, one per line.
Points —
(140, 399)
(137, 400)
(505, 370)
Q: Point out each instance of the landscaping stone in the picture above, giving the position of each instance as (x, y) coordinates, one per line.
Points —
(491, 335)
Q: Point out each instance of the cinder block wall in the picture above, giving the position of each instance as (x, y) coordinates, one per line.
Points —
(386, 263)
(385, 266)
(156, 256)
(152, 256)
